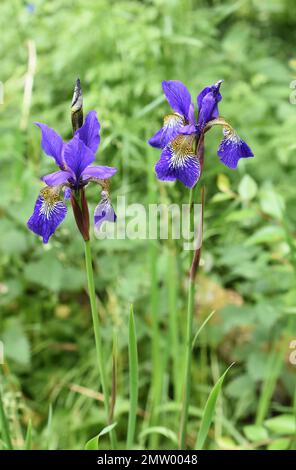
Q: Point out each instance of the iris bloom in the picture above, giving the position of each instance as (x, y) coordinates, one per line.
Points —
(74, 159)
(181, 137)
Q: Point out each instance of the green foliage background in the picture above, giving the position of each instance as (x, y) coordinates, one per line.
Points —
(122, 50)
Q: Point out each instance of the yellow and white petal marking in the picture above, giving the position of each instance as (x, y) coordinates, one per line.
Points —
(51, 202)
(181, 150)
(230, 135)
(170, 121)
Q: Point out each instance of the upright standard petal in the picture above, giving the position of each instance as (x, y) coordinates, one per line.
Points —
(178, 161)
(104, 211)
(77, 157)
(89, 133)
(232, 148)
(98, 172)
(49, 212)
(57, 178)
(178, 96)
(52, 143)
(207, 102)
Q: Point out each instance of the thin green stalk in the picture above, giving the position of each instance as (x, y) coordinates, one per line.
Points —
(133, 380)
(97, 333)
(156, 371)
(4, 426)
(187, 379)
(189, 324)
(173, 338)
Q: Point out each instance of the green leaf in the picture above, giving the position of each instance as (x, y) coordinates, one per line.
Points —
(93, 443)
(267, 234)
(282, 424)
(247, 188)
(272, 203)
(209, 411)
(17, 346)
(160, 430)
(279, 444)
(255, 433)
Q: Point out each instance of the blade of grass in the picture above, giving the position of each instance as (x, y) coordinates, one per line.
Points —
(133, 380)
(28, 440)
(5, 426)
(202, 327)
(209, 411)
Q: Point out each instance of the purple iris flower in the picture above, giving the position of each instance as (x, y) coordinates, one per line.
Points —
(180, 134)
(74, 159)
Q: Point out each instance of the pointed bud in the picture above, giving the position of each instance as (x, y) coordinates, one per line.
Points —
(77, 107)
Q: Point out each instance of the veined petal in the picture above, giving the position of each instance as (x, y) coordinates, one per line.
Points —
(177, 95)
(232, 148)
(89, 133)
(49, 212)
(104, 211)
(77, 156)
(57, 178)
(178, 161)
(99, 172)
(172, 123)
(52, 143)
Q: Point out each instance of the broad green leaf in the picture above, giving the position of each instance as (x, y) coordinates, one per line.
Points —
(272, 203)
(282, 424)
(255, 433)
(247, 188)
(279, 444)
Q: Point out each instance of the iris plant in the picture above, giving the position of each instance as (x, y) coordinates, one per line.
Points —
(181, 140)
(76, 170)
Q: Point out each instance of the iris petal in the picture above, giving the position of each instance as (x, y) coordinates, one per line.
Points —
(104, 211)
(52, 143)
(178, 161)
(232, 148)
(49, 212)
(89, 132)
(57, 178)
(77, 156)
(207, 102)
(177, 95)
(171, 127)
(99, 172)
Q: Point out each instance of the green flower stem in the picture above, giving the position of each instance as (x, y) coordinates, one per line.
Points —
(190, 314)
(187, 380)
(97, 333)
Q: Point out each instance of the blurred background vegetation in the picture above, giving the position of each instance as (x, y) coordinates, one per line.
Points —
(122, 50)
